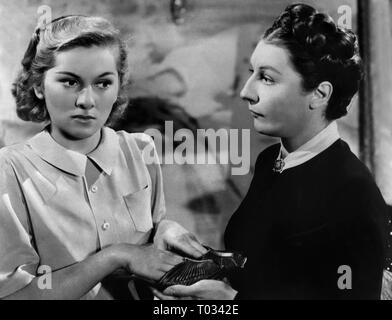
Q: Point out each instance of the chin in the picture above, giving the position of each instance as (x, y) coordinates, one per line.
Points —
(81, 134)
(266, 129)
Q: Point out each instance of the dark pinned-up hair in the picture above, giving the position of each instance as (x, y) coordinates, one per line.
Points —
(64, 33)
(319, 51)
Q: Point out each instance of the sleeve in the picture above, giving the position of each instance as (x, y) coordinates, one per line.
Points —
(18, 258)
(360, 237)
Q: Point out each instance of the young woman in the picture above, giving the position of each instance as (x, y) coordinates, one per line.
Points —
(312, 223)
(78, 200)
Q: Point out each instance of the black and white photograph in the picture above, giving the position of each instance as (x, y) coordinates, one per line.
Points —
(209, 150)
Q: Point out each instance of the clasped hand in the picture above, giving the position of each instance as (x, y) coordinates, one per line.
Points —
(152, 261)
(201, 290)
(171, 235)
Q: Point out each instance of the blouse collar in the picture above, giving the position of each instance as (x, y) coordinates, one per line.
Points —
(308, 150)
(71, 161)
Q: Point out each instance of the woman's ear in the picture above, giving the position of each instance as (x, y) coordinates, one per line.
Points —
(321, 95)
(39, 92)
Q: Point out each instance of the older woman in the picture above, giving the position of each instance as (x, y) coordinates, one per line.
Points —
(313, 221)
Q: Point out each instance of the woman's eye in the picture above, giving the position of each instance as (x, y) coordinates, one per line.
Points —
(69, 83)
(266, 80)
(103, 84)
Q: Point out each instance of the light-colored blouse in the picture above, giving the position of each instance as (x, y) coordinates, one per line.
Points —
(51, 216)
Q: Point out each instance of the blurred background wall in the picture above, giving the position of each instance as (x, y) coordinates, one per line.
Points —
(191, 66)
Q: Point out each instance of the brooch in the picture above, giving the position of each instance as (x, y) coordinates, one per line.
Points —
(278, 166)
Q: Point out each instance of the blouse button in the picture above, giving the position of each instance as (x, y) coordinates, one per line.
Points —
(106, 226)
(94, 189)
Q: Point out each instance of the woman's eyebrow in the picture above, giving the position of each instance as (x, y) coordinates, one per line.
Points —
(68, 74)
(108, 73)
(262, 68)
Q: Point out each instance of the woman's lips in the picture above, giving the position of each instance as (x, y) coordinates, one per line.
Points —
(83, 117)
(255, 114)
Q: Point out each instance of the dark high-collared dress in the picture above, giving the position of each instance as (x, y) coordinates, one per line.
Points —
(314, 231)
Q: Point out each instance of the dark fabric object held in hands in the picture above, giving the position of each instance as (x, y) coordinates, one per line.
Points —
(212, 265)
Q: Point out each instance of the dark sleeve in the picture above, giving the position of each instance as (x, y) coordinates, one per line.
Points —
(359, 237)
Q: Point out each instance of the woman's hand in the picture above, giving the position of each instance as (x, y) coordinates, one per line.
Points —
(201, 290)
(171, 235)
(146, 261)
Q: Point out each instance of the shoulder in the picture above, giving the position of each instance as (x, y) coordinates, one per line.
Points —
(351, 171)
(139, 139)
(349, 162)
(140, 145)
(11, 160)
(11, 154)
(356, 191)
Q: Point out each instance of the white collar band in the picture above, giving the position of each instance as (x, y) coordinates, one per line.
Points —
(308, 150)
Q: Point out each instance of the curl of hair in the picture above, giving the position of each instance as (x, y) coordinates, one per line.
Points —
(63, 34)
(320, 51)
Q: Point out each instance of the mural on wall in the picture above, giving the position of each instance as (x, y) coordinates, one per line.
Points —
(191, 56)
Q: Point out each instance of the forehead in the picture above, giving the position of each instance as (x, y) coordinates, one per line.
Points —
(266, 54)
(86, 62)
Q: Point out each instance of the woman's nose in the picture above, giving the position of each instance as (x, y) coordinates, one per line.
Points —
(85, 98)
(248, 93)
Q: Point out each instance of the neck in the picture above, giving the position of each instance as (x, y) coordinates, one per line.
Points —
(293, 143)
(83, 146)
